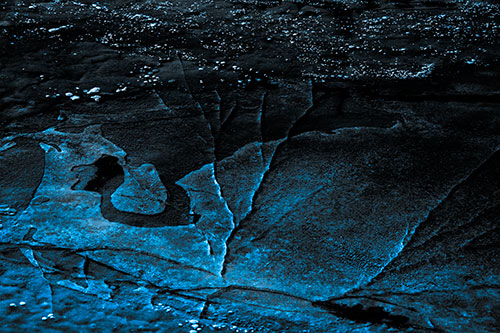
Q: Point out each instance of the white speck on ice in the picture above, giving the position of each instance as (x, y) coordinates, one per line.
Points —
(59, 28)
(96, 98)
(94, 90)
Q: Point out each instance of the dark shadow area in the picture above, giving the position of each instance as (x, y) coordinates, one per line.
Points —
(108, 177)
(360, 314)
(107, 170)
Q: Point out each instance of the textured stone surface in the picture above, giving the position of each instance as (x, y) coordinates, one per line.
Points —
(142, 191)
(237, 165)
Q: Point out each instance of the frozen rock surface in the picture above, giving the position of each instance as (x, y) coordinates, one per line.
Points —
(250, 166)
(142, 191)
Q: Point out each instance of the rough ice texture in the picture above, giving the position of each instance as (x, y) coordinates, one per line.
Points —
(263, 165)
(63, 217)
(326, 221)
(142, 191)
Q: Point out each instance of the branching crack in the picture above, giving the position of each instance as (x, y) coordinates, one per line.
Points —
(411, 233)
(264, 176)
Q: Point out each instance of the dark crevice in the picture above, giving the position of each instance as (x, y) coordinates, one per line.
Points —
(204, 311)
(360, 314)
(196, 217)
(227, 257)
(107, 169)
(109, 175)
(211, 248)
(86, 265)
(29, 235)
